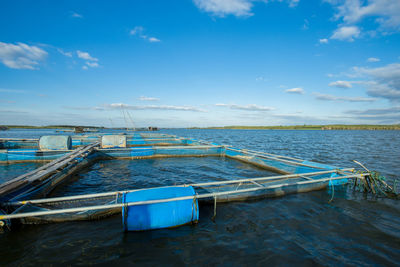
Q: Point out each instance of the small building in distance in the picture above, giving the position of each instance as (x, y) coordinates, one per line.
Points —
(79, 129)
(151, 128)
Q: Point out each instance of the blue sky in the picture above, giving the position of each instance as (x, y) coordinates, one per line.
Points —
(200, 63)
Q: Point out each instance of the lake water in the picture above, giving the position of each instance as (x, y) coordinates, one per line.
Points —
(300, 229)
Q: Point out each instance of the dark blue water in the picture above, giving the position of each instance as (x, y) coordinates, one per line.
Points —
(301, 229)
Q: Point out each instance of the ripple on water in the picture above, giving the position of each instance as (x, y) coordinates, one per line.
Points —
(302, 229)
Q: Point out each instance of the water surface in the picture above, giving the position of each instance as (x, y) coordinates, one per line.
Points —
(300, 229)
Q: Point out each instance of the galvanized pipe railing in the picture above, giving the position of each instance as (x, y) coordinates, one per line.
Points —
(206, 195)
(97, 195)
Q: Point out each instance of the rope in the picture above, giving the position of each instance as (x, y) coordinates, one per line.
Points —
(333, 191)
(215, 209)
(130, 118)
(238, 186)
(125, 211)
(195, 206)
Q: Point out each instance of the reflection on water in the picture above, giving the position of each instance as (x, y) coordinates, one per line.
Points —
(301, 229)
(10, 171)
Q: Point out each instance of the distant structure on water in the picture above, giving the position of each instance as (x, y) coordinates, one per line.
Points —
(153, 128)
(79, 129)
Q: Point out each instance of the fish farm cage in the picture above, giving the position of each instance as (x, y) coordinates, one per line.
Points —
(23, 200)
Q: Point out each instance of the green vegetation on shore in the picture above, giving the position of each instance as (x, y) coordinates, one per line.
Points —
(71, 127)
(314, 127)
(292, 127)
(49, 127)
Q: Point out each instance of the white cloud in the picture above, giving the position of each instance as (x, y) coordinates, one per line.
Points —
(384, 81)
(21, 56)
(391, 71)
(297, 90)
(145, 98)
(380, 111)
(346, 33)
(139, 31)
(90, 61)
(306, 24)
(238, 8)
(341, 84)
(12, 91)
(86, 56)
(323, 41)
(373, 59)
(293, 3)
(342, 98)
(92, 64)
(76, 15)
(153, 107)
(153, 40)
(136, 30)
(221, 8)
(382, 115)
(67, 54)
(251, 107)
(84, 108)
(7, 101)
(385, 12)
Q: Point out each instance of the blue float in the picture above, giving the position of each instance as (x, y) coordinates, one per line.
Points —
(113, 141)
(55, 142)
(159, 215)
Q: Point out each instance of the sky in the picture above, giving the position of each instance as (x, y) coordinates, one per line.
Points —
(199, 63)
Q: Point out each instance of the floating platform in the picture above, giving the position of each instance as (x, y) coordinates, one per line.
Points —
(21, 198)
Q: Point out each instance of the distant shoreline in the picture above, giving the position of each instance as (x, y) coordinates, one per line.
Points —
(310, 127)
(49, 127)
(292, 127)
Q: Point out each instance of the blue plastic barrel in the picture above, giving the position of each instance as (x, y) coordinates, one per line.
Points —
(159, 215)
(113, 141)
(55, 142)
